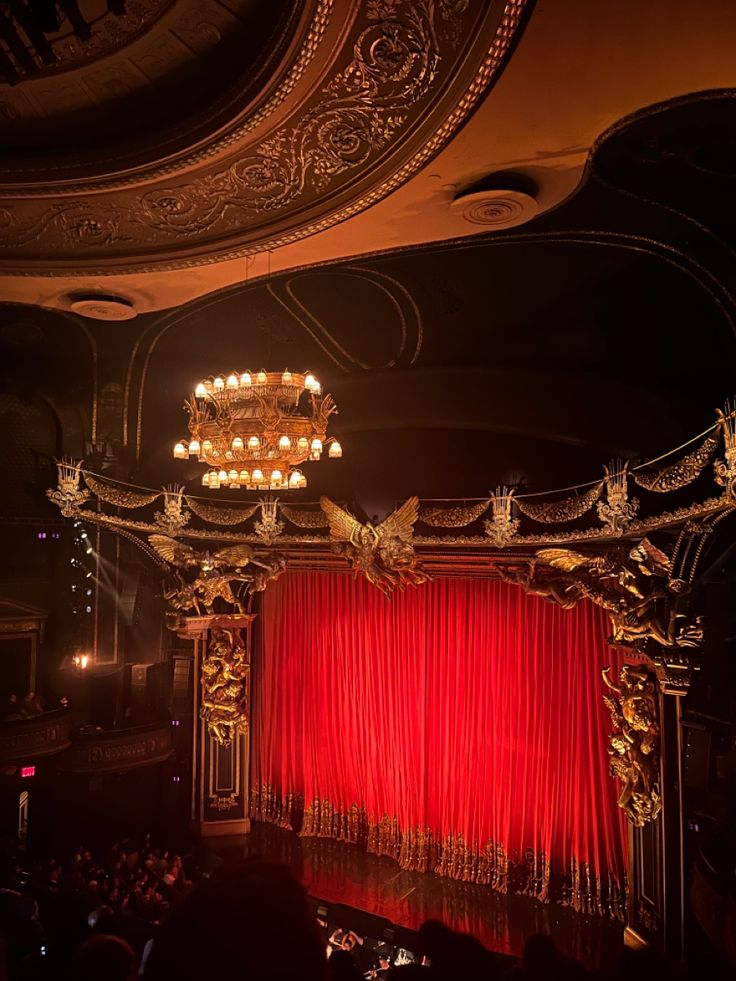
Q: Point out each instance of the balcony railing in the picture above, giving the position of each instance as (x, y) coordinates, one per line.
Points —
(26, 740)
(116, 750)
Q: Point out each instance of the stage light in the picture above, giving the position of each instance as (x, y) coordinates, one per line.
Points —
(88, 550)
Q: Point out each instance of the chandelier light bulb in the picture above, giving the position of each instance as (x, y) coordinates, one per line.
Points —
(181, 452)
(253, 443)
(237, 444)
(245, 379)
(257, 476)
(284, 443)
(219, 383)
(303, 444)
(194, 447)
(316, 445)
(310, 381)
(200, 391)
(294, 479)
(262, 378)
(275, 477)
(207, 446)
(222, 476)
(214, 479)
(233, 475)
(206, 479)
(232, 381)
(302, 480)
(244, 477)
(335, 450)
(286, 378)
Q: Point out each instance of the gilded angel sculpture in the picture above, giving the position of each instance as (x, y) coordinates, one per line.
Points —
(215, 573)
(629, 587)
(384, 554)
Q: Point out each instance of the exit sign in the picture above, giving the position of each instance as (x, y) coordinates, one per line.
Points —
(28, 771)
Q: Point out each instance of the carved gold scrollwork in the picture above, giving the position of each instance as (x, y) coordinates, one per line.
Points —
(502, 528)
(224, 681)
(456, 517)
(678, 474)
(617, 511)
(725, 470)
(556, 512)
(68, 496)
(634, 743)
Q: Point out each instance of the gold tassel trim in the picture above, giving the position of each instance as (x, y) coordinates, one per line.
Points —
(415, 849)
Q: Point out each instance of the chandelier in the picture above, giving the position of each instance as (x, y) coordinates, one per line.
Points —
(254, 430)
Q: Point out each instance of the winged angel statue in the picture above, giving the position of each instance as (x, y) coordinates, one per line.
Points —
(631, 588)
(215, 574)
(384, 554)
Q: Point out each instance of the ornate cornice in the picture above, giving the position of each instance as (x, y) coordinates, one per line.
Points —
(407, 76)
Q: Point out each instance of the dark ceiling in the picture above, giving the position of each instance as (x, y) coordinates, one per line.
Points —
(605, 327)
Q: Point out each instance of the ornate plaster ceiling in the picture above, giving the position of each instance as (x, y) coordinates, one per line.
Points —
(383, 85)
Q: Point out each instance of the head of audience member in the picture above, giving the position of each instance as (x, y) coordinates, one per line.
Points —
(252, 921)
(104, 958)
(343, 967)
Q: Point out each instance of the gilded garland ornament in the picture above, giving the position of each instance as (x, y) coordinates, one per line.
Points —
(303, 518)
(383, 554)
(558, 512)
(457, 517)
(634, 743)
(118, 496)
(678, 474)
(219, 515)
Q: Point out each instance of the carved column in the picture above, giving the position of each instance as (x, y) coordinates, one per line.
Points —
(220, 769)
(657, 888)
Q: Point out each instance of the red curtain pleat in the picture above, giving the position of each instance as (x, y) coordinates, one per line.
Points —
(459, 727)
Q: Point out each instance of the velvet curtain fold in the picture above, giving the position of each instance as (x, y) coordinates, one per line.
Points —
(458, 728)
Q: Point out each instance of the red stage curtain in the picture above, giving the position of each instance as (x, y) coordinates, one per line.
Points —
(458, 727)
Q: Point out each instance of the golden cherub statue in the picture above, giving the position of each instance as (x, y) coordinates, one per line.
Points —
(384, 554)
(215, 574)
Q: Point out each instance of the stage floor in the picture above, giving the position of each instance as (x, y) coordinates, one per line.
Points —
(340, 873)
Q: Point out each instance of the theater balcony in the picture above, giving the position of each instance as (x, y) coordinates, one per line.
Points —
(33, 738)
(113, 751)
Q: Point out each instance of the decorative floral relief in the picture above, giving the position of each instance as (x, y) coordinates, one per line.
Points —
(394, 66)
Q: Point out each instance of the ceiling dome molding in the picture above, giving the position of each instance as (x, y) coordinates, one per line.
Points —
(406, 77)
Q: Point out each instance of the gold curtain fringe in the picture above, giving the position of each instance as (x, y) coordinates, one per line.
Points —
(453, 517)
(552, 512)
(267, 805)
(578, 886)
(117, 495)
(678, 474)
(303, 518)
(220, 516)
